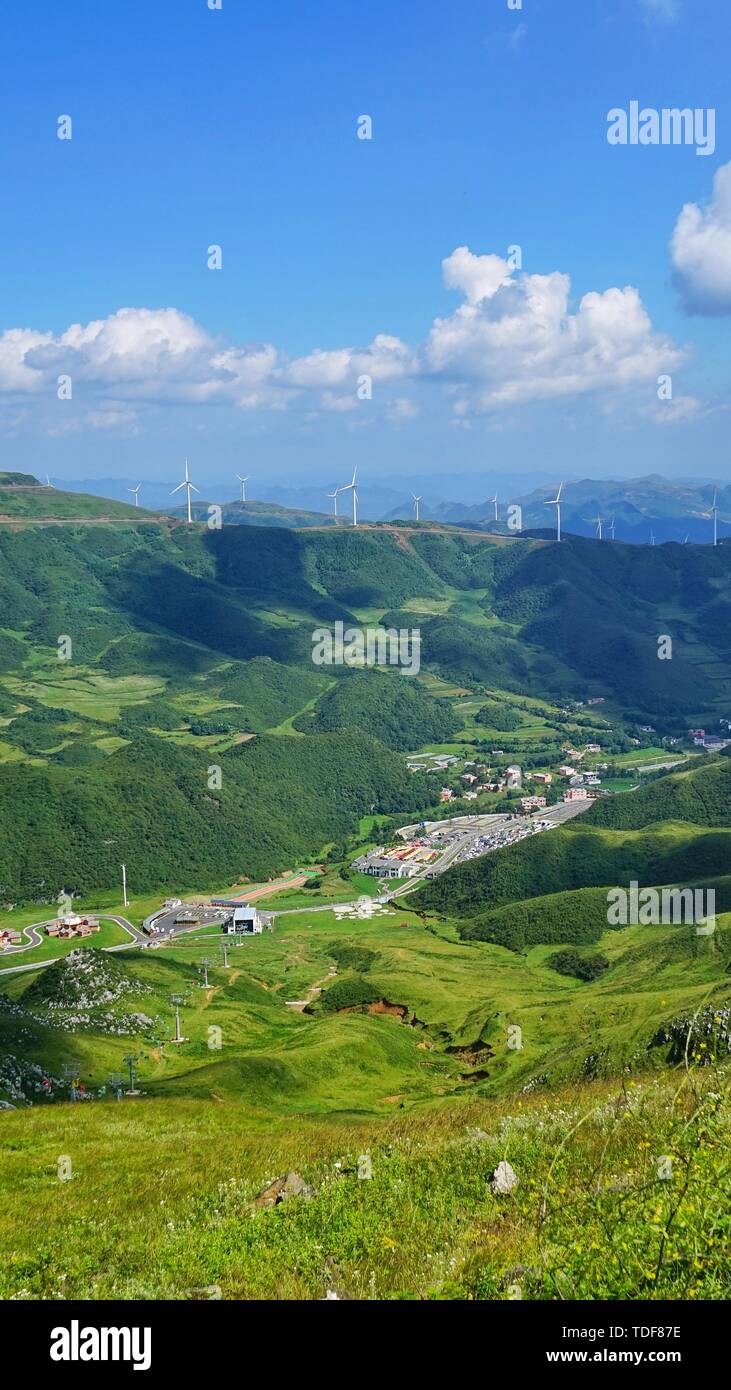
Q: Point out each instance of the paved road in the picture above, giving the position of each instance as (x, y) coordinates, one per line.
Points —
(34, 938)
(557, 814)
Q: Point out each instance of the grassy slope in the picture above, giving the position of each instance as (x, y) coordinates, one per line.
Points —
(591, 1217)
(37, 503)
(287, 1091)
(325, 1085)
(457, 995)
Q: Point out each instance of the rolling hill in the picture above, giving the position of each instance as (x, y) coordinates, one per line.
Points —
(24, 498)
(185, 642)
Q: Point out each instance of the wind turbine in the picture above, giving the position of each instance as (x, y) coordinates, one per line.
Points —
(189, 487)
(416, 504)
(48, 481)
(714, 514)
(334, 497)
(599, 523)
(493, 501)
(350, 487)
(611, 528)
(136, 493)
(243, 482)
(652, 537)
(556, 502)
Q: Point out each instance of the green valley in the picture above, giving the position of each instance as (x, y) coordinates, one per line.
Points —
(160, 707)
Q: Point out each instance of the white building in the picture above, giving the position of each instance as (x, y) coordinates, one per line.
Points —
(244, 919)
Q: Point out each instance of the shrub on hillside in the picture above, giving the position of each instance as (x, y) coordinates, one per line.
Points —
(348, 957)
(348, 994)
(570, 962)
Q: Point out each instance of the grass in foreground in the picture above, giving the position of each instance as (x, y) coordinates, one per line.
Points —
(623, 1192)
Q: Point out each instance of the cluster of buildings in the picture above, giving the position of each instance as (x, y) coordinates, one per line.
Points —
(712, 743)
(431, 762)
(72, 926)
(10, 937)
(475, 782)
(401, 862)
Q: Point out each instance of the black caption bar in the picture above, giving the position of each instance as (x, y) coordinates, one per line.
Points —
(151, 1340)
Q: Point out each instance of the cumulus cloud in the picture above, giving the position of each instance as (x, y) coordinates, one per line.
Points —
(701, 250)
(514, 338)
(517, 340)
(477, 276)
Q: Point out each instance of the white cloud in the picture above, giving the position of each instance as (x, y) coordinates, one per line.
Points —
(678, 411)
(402, 409)
(515, 338)
(521, 341)
(701, 250)
(477, 276)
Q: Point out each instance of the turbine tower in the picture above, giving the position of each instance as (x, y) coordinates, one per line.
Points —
(416, 505)
(599, 523)
(189, 487)
(714, 514)
(243, 482)
(334, 497)
(611, 528)
(652, 537)
(493, 502)
(556, 502)
(351, 487)
(135, 493)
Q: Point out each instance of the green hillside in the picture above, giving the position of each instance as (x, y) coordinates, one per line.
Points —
(700, 795)
(577, 857)
(256, 514)
(279, 801)
(425, 1101)
(24, 498)
(391, 708)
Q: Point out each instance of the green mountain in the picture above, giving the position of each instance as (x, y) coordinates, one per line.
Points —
(391, 708)
(698, 795)
(167, 646)
(257, 514)
(279, 801)
(24, 498)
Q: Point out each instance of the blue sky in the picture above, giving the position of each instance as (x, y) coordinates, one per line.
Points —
(194, 127)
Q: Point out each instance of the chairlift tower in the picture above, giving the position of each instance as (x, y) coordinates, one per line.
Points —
(130, 1060)
(116, 1083)
(176, 1000)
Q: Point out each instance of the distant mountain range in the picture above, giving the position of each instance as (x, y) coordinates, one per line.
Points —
(376, 500)
(637, 508)
(670, 510)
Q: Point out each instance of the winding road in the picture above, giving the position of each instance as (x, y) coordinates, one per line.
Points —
(33, 934)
